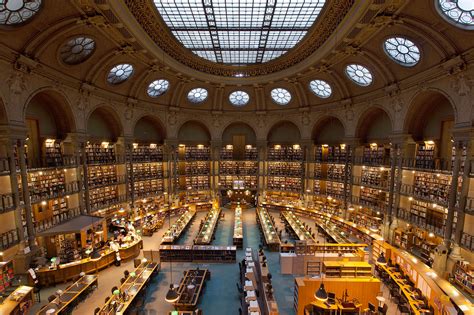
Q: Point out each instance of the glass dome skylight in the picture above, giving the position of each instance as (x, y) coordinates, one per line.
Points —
(239, 32)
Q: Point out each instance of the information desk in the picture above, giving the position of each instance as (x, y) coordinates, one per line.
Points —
(175, 231)
(69, 297)
(237, 238)
(198, 253)
(271, 237)
(364, 290)
(190, 289)
(18, 302)
(297, 226)
(118, 304)
(208, 228)
(66, 272)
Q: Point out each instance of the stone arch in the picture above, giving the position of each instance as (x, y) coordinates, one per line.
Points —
(152, 121)
(107, 115)
(194, 132)
(57, 105)
(328, 130)
(375, 123)
(284, 132)
(251, 135)
(424, 107)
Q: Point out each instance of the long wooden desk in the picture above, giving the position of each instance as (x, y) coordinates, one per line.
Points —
(61, 303)
(131, 287)
(175, 231)
(297, 226)
(405, 289)
(204, 236)
(18, 302)
(337, 307)
(271, 237)
(190, 289)
(237, 238)
(66, 272)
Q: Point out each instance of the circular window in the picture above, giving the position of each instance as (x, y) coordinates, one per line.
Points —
(120, 73)
(402, 51)
(459, 12)
(158, 87)
(320, 88)
(359, 74)
(197, 95)
(239, 98)
(18, 11)
(77, 50)
(281, 96)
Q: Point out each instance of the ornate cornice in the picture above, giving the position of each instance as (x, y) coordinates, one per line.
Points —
(148, 17)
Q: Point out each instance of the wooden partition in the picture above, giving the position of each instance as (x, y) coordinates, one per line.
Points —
(364, 290)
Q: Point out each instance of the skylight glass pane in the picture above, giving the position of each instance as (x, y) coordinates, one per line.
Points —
(242, 32)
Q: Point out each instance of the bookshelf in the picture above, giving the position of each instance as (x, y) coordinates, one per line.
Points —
(346, 269)
(431, 186)
(372, 197)
(425, 155)
(102, 175)
(375, 177)
(463, 274)
(197, 153)
(103, 196)
(45, 184)
(428, 215)
(6, 276)
(285, 153)
(285, 168)
(330, 153)
(290, 169)
(335, 189)
(376, 154)
(147, 153)
(336, 172)
(284, 183)
(52, 153)
(100, 153)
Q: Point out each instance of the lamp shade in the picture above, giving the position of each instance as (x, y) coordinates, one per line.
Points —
(381, 260)
(132, 274)
(116, 292)
(321, 294)
(172, 296)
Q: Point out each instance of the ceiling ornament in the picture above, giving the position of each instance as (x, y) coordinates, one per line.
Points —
(148, 17)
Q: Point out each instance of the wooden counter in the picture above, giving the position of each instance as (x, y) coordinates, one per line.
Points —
(363, 289)
(18, 302)
(66, 272)
(190, 289)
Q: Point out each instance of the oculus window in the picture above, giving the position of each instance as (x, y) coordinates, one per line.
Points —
(402, 51)
(77, 50)
(239, 98)
(158, 87)
(359, 74)
(197, 95)
(239, 32)
(320, 88)
(281, 96)
(458, 12)
(18, 11)
(120, 73)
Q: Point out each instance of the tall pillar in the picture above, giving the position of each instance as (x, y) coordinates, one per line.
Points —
(216, 146)
(85, 174)
(306, 146)
(351, 145)
(26, 194)
(170, 147)
(262, 169)
(129, 182)
(10, 145)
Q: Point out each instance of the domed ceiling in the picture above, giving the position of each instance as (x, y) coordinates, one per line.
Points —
(239, 38)
(239, 32)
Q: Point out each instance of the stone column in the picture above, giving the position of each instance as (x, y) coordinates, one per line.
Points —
(170, 147)
(351, 144)
(262, 168)
(306, 146)
(10, 145)
(216, 146)
(26, 193)
(129, 180)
